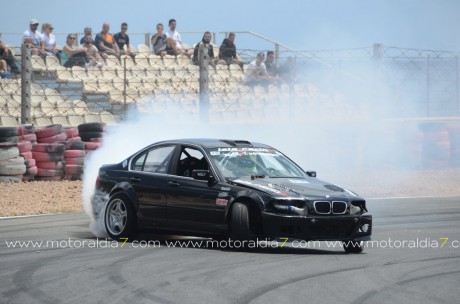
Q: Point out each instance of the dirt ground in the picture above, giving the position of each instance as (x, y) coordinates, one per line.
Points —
(63, 197)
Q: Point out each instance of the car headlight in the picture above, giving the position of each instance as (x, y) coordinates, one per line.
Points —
(291, 206)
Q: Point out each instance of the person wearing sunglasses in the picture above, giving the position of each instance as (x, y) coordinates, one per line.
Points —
(33, 37)
(73, 55)
(48, 45)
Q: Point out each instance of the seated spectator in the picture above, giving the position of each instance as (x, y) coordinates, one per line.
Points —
(105, 42)
(8, 57)
(4, 69)
(256, 73)
(92, 54)
(272, 69)
(48, 45)
(288, 71)
(206, 40)
(227, 51)
(33, 37)
(122, 39)
(159, 41)
(174, 42)
(87, 31)
(72, 55)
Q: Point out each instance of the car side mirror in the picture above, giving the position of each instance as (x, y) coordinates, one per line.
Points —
(203, 175)
(311, 173)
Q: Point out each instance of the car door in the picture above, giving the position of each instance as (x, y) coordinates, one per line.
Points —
(149, 179)
(193, 204)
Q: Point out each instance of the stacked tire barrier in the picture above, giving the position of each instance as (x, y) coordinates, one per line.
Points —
(50, 162)
(91, 134)
(436, 145)
(26, 140)
(12, 166)
(454, 137)
(74, 157)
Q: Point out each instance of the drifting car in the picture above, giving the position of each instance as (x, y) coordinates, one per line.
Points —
(226, 188)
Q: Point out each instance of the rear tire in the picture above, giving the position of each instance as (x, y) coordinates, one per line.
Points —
(353, 246)
(119, 218)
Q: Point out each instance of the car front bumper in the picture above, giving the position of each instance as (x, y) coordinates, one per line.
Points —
(317, 228)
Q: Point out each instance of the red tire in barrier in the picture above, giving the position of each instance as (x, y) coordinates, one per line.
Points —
(28, 137)
(24, 130)
(27, 155)
(49, 148)
(74, 154)
(24, 146)
(49, 172)
(52, 139)
(59, 165)
(31, 171)
(71, 132)
(98, 140)
(437, 136)
(75, 161)
(75, 145)
(30, 162)
(77, 138)
(49, 131)
(73, 169)
(43, 156)
(72, 177)
(92, 145)
(49, 178)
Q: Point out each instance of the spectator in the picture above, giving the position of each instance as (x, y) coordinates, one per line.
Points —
(227, 50)
(7, 55)
(272, 69)
(92, 54)
(87, 31)
(159, 41)
(48, 45)
(122, 39)
(33, 37)
(288, 71)
(174, 41)
(106, 43)
(4, 69)
(256, 72)
(72, 55)
(206, 40)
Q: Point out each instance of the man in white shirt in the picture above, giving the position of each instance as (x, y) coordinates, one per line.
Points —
(174, 42)
(33, 37)
(256, 72)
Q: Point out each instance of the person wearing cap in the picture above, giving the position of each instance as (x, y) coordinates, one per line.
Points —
(256, 72)
(33, 37)
(174, 42)
(87, 31)
(48, 45)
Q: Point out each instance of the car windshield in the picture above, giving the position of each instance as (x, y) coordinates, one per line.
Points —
(238, 162)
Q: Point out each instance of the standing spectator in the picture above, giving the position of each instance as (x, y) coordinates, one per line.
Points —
(174, 41)
(227, 50)
(87, 31)
(159, 41)
(272, 69)
(92, 54)
(206, 40)
(48, 45)
(72, 55)
(256, 72)
(33, 37)
(8, 57)
(122, 39)
(106, 43)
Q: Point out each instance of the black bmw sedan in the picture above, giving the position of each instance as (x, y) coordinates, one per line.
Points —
(226, 188)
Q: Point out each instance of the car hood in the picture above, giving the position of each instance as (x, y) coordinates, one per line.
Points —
(295, 187)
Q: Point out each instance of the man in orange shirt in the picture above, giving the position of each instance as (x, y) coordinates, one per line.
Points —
(106, 43)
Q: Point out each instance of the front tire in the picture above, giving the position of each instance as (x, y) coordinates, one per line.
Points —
(239, 224)
(353, 246)
(119, 218)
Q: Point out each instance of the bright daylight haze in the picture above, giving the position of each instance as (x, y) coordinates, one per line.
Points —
(299, 24)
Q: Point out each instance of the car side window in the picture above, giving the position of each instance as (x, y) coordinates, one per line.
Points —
(191, 159)
(155, 160)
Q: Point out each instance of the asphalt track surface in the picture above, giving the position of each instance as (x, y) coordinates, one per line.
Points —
(420, 272)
